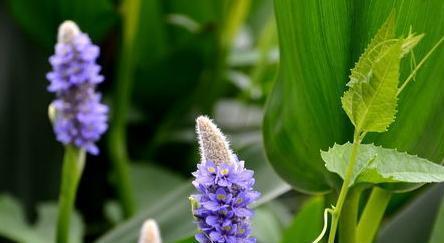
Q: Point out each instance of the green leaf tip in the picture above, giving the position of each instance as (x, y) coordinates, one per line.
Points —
(371, 99)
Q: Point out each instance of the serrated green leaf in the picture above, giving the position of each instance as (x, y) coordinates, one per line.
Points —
(381, 165)
(377, 45)
(371, 101)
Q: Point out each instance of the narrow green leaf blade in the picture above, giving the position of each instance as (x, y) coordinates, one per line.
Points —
(438, 233)
(307, 223)
(381, 165)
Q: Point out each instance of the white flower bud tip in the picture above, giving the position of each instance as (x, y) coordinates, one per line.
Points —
(150, 232)
(52, 112)
(214, 145)
(67, 30)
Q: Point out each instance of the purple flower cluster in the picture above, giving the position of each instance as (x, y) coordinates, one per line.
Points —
(80, 119)
(225, 192)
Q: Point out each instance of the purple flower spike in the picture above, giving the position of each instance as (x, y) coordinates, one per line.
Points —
(225, 190)
(78, 116)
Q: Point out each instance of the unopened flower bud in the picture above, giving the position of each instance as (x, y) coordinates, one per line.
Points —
(214, 146)
(52, 112)
(67, 31)
(150, 232)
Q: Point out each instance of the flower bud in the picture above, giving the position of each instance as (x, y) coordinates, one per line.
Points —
(52, 112)
(67, 31)
(214, 146)
(150, 232)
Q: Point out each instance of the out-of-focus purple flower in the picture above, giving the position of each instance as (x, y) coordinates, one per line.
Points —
(79, 118)
(225, 190)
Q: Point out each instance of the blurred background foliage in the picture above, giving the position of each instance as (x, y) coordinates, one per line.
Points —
(215, 57)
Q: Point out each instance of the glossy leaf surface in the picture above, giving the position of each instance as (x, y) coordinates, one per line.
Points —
(307, 223)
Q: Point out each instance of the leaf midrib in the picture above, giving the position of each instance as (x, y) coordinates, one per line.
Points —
(387, 70)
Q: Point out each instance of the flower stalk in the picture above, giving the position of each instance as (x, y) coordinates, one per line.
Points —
(78, 117)
(73, 164)
(117, 139)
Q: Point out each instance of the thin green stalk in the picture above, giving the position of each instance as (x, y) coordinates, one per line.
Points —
(117, 138)
(345, 187)
(372, 215)
(424, 59)
(324, 229)
(73, 164)
(347, 224)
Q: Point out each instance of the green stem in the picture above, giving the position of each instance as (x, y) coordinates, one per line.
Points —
(424, 59)
(345, 187)
(120, 161)
(117, 138)
(347, 224)
(73, 163)
(372, 216)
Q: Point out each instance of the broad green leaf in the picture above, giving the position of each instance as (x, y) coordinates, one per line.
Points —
(307, 223)
(266, 226)
(37, 19)
(303, 112)
(47, 222)
(12, 221)
(437, 233)
(317, 54)
(381, 165)
(145, 179)
(94, 17)
(13, 224)
(40, 19)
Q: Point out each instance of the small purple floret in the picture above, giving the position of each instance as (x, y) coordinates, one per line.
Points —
(225, 193)
(80, 119)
